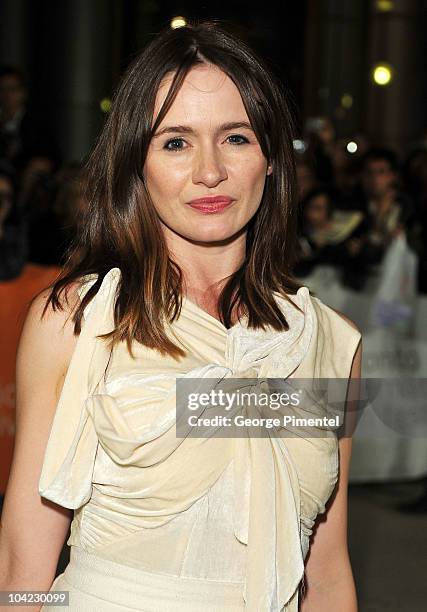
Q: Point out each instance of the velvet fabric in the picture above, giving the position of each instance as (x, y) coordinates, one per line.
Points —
(238, 508)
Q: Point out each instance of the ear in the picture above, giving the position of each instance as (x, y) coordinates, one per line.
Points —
(269, 169)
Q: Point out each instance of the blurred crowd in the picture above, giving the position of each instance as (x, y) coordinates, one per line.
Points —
(354, 197)
(41, 198)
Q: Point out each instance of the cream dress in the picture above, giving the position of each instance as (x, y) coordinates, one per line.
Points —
(163, 523)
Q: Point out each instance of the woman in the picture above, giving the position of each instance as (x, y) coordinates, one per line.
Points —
(182, 268)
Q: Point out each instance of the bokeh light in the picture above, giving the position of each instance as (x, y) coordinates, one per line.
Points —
(382, 74)
(178, 22)
(384, 5)
(105, 105)
(299, 145)
(346, 100)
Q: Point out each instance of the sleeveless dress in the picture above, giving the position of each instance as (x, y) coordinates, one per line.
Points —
(163, 523)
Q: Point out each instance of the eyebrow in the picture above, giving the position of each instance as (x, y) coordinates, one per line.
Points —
(186, 129)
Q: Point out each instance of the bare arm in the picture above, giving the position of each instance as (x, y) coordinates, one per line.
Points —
(32, 529)
(329, 577)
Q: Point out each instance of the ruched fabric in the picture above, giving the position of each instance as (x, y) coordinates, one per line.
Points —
(100, 585)
(114, 456)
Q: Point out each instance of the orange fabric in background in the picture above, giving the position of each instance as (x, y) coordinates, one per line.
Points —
(14, 302)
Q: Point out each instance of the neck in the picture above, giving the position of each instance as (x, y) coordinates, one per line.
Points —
(206, 265)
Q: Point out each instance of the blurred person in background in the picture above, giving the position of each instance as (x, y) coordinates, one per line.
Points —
(415, 180)
(387, 209)
(28, 144)
(38, 210)
(25, 134)
(327, 235)
(13, 239)
(57, 208)
(13, 96)
(69, 206)
(320, 136)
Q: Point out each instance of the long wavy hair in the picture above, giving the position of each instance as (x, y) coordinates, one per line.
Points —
(122, 228)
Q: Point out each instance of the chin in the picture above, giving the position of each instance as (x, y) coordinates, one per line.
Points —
(212, 234)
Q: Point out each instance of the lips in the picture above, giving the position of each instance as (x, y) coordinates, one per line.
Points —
(211, 204)
(211, 200)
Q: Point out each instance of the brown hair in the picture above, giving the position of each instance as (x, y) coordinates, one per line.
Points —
(122, 228)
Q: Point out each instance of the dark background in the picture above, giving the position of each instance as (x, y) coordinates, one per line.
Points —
(73, 52)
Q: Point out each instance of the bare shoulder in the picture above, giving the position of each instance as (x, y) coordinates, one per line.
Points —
(47, 338)
(45, 317)
(69, 301)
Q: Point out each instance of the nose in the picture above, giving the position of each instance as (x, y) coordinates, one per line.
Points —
(209, 168)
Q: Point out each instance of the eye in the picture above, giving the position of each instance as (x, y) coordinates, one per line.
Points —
(238, 139)
(174, 144)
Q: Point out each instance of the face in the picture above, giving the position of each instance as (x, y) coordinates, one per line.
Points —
(205, 148)
(12, 93)
(317, 211)
(378, 178)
